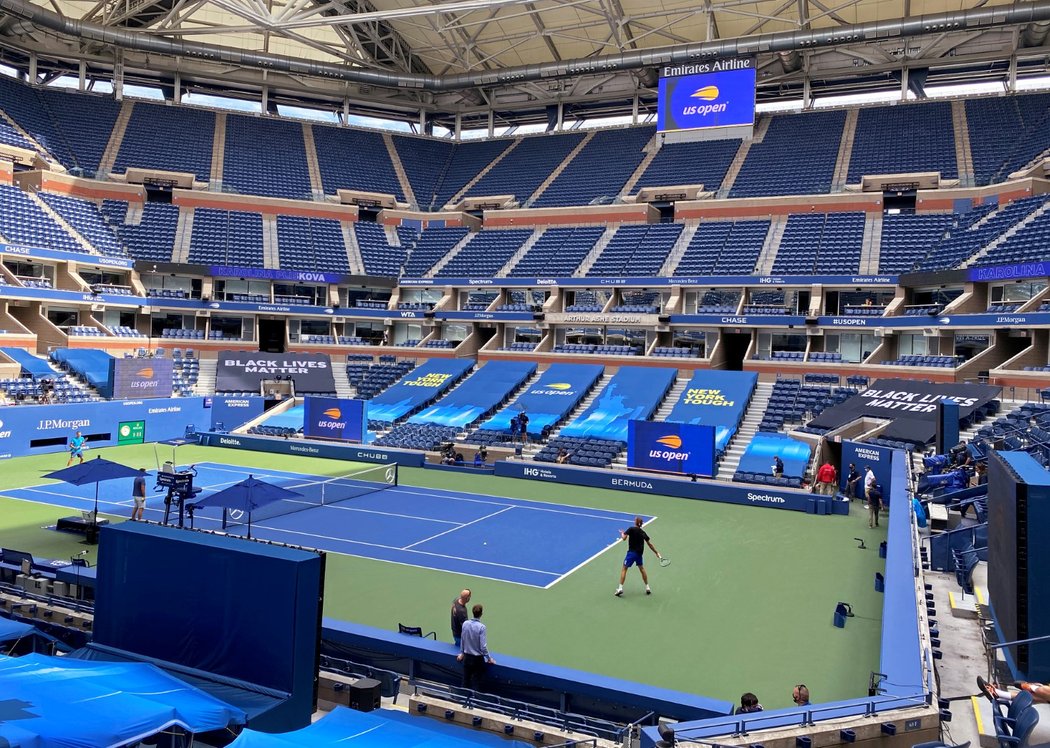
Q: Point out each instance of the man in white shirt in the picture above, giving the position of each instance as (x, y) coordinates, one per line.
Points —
(869, 483)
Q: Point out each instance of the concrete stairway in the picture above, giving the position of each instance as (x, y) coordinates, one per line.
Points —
(741, 156)
(652, 148)
(116, 137)
(312, 165)
(963, 154)
(678, 250)
(399, 169)
(595, 253)
(183, 232)
(353, 249)
(57, 218)
(559, 169)
(768, 256)
(18, 128)
(343, 388)
(871, 245)
(218, 152)
(492, 164)
(206, 376)
(849, 132)
(451, 253)
(747, 430)
(522, 251)
(1006, 234)
(271, 249)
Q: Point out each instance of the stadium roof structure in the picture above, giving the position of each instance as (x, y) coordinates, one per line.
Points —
(519, 60)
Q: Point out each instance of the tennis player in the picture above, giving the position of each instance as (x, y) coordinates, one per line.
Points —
(76, 449)
(636, 539)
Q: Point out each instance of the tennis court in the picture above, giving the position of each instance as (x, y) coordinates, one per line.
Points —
(365, 514)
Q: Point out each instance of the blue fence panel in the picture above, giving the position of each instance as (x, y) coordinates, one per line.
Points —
(760, 452)
(631, 395)
(716, 398)
(556, 393)
(479, 394)
(417, 388)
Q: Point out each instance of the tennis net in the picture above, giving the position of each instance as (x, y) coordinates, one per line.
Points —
(320, 493)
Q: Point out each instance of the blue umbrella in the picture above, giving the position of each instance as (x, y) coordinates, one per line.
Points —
(93, 471)
(247, 496)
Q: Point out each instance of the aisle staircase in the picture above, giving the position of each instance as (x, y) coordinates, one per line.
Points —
(746, 432)
(206, 377)
(116, 137)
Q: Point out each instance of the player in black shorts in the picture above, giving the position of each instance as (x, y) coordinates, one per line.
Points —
(636, 539)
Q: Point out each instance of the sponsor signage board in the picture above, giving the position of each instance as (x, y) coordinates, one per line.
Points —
(684, 448)
(334, 418)
(138, 378)
(717, 93)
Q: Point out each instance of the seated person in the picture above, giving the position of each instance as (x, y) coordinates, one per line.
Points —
(748, 703)
(458, 459)
(563, 456)
(778, 467)
(480, 456)
(1040, 693)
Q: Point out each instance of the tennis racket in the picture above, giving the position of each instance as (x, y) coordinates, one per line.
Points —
(664, 560)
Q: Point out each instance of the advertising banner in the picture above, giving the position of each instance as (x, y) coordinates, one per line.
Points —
(633, 393)
(242, 372)
(683, 448)
(715, 398)
(333, 418)
(417, 388)
(141, 377)
(34, 429)
(230, 411)
(910, 403)
(550, 398)
(878, 458)
(710, 94)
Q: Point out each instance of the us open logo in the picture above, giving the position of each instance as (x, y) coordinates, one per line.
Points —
(673, 442)
(332, 421)
(557, 388)
(145, 379)
(4, 434)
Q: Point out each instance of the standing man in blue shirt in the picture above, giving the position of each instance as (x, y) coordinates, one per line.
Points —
(138, 495)
(76, 449)
(475, 650)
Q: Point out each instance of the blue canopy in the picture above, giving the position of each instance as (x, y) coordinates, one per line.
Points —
(380, 729)
(66, 702)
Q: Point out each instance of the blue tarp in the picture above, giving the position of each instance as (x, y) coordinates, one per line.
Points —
(631, 395)
(93, 365)
(551, 398)
(716, 398)
(11, 630)
(417, 388)
(31, 365)
(66, 702)
(379, 729)
(759, 455)
(483, 390)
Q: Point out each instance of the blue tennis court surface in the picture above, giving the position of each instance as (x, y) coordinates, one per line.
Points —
(511, 540)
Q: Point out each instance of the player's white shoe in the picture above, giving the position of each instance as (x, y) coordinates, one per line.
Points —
(619, 592)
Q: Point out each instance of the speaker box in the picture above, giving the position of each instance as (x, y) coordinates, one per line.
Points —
(364, 695)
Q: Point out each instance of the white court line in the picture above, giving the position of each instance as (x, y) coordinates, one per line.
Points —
(446, 532)
(463, 496)
(387, 514)
(396, 548)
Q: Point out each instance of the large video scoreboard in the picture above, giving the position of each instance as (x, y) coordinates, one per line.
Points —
(715, 94)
